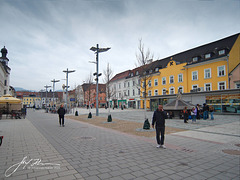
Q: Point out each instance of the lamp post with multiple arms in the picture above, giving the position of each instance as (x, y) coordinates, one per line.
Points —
(54, 81)
(46, 96)
(67, 72)
(97, 50)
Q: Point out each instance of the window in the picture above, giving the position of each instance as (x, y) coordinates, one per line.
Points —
(119, 85)
(208, 87)
(139, 91)
(5, 83)
(128, 84)
(207, 56)
(150, 71)
(155, 92)
(171, 79)
(156, 69)
(155, 82)
(119, 94)
(133, 92)
(136, 73)
(195, 59)
(163, 80)
(171, 90)
(180, 89)
(163, 91)
(221, 71)
(221, 85)
(194, 87)
(128, 92)
(195, 75)
(139, 82)
(131, 74)
(180, 78)
(124, 84)
(150, 83)
(149, 93)
(221, 52)
(133, 83)
(207, 73)
(237, 85)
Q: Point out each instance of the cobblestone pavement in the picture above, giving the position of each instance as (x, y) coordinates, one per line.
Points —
(84, 151)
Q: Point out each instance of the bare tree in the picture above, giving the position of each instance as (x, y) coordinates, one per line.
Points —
(144, 58)
(108, 73)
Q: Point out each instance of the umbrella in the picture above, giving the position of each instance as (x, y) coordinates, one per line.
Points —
(7, 98)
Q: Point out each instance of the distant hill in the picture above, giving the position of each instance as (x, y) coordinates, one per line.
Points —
(22, 89)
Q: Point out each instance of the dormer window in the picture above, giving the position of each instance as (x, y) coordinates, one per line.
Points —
(156, 69)
(150, 71)
(207, 56)
(131, 74)
(221, 52)
(136, 73)
(195, 59)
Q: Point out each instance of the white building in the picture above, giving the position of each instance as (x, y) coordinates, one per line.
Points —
(4, 73)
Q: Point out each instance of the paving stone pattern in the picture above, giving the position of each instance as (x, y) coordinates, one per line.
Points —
(88, 152)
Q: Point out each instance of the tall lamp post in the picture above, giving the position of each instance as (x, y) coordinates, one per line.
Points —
(67, 72)
(97, 50)
(54, 81)
(46, 96)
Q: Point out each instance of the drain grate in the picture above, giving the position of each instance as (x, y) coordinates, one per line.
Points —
(86, 137)
(83, 138)
(231, 151)
(187, 150)
(182, 164)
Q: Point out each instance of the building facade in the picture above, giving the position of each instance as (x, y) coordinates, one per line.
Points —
(209, 68)
(4, 73)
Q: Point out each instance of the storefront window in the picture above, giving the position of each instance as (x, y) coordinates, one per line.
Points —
(226, 103)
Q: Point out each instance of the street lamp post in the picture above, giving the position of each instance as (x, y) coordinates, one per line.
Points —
(54, 81)
(97, 50)
(46, 96)
(67, 72)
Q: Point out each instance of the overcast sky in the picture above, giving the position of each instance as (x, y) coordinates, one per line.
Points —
(45, 37)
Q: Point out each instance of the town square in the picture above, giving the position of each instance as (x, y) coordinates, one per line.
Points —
(119, 90)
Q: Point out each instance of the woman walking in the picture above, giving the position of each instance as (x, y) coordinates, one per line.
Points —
(194, 114)
(211, 109)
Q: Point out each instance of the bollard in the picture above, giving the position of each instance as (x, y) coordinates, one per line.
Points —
(109, 118)
(146, 124)
(76, 113)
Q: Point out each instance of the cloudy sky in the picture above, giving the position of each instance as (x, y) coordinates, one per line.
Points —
(45, 37)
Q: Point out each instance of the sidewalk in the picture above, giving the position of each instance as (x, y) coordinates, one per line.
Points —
(88, 152)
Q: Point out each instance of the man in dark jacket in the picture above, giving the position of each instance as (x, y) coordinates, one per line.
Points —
(61, 112)
(158, 120)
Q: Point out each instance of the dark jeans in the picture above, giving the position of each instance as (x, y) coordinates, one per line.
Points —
(61, 120)
(158, 131)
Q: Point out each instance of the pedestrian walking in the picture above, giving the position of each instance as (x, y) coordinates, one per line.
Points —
(194, 114)
(185, 114)
(158, 121)
(205, 111)
(61, 112)
(198, 112)
(211, 110)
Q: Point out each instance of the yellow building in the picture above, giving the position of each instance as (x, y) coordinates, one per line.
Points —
(201, 69)
(31, 101)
